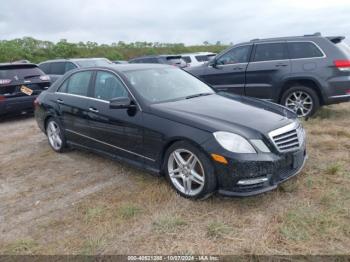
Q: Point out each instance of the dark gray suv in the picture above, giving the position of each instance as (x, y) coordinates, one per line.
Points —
(301, 73)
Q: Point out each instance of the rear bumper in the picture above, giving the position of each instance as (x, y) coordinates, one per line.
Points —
(17, 104)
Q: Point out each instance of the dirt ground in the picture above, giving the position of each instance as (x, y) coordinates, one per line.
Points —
(81, 203)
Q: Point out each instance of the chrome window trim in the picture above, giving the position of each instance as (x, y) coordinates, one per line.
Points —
(88, 97)
(102, 142)
(291, 59)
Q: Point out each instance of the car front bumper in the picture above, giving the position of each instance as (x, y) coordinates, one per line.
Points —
(252, 174)
(274, 178)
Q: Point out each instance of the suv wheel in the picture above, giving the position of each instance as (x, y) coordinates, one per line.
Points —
(55, 135)
(189, 171)
(302, 100)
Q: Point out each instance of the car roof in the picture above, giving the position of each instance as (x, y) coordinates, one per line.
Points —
(311, 37)
(72, 59)
(154, 56)
(17, 65)
(126, 67)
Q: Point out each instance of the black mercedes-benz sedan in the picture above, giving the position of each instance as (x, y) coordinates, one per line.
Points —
(165, 120)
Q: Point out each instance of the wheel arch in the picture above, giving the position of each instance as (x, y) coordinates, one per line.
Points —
(307, 82)
(172, 141)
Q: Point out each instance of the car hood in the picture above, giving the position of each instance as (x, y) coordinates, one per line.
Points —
(223, 112)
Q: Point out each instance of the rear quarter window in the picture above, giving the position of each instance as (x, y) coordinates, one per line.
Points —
(202, 58)
(187, 59)
(303, 50)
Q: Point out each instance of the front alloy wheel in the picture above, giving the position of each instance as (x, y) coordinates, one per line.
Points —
(186, 172)
(300, 102)
(189, 170)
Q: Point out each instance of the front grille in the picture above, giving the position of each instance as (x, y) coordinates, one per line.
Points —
(288, 138)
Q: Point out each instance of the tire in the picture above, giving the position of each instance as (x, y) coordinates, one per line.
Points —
(193, 179)
(302, 102)
(55, 135)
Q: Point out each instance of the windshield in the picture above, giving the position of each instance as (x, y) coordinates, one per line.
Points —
(166, 84)
(344, 48)
(94, 62)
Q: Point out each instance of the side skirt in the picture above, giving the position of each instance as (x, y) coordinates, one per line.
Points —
(135, 164)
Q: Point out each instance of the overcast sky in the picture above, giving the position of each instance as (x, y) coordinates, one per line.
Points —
(185, 21)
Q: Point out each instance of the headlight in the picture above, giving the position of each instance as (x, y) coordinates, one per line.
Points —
(233, 142)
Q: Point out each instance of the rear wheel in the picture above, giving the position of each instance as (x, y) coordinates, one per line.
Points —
(55, 135)
(302, 100)
(189, 171)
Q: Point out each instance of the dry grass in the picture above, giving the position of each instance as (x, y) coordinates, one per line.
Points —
(90, 205)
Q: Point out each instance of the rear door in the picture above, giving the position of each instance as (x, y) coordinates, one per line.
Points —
(116, 131)
(228, 74)
(269, 64)
(72, 101)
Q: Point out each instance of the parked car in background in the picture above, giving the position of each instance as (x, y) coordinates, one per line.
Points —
(58, 67)
(20, 84)
(162, 119)
(301, 73)
(195, 59)
(120, 62)
(175, 60)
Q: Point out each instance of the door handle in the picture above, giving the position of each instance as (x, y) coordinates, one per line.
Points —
(59, 100)
(92, 109)
(238, 68)
(281, 65)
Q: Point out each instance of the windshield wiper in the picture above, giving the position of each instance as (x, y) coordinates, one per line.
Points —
(197, 95)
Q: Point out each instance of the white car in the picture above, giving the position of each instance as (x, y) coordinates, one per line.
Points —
(195, 59)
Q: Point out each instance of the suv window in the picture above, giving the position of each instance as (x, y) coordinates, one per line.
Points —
(202, 58)
(303, 50)
(108, 86)
(151, 60)
(270, 52)
(187, 59)
(69, 66)
(20, 73)
(45, 67)
(77, 84)
(238, 54)
(58, 68)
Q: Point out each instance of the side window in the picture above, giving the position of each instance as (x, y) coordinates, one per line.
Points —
(77, 84)
(269, 52)
(45, 67)
(58, 68)
(108, 86)
(69, 66)
(187, 59)
(236, 55)
(303, 50)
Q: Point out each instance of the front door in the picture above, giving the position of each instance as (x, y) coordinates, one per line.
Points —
(228, 73)
(116, 131)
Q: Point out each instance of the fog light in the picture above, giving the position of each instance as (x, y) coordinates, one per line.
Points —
(252, 181)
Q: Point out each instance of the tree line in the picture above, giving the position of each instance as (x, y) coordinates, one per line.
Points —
(38, 50)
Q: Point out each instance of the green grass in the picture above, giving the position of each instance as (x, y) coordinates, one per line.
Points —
(128, 211)
(334, 169)
(91, 246)
(168, 223)
(22, 247)
(94, 213)
(217, 229)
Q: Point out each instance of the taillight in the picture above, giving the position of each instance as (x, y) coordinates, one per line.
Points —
(2, 98)
(45, 78)
(5, 81)
(343, 65)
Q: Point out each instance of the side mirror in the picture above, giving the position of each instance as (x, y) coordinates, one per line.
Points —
(121, 102)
